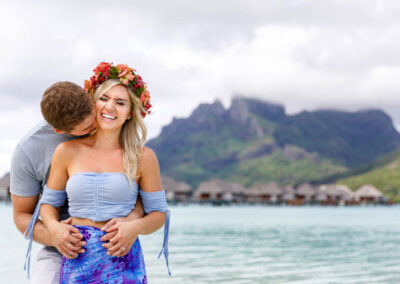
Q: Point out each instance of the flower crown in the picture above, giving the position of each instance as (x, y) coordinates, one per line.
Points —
(126, 75)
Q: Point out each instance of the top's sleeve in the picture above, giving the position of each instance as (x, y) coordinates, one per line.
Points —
(23, 180)
(156, 201)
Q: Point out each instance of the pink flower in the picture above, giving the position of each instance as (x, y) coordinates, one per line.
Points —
(130, 76)
(142, 97)
(124, 81)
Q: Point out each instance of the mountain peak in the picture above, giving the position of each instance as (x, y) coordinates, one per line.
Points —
(267, 110)
(205, 110)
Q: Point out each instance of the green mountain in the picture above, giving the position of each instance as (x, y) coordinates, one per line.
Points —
(255, 141)
(384, 173)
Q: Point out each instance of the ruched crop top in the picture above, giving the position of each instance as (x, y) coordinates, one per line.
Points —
(100, 196)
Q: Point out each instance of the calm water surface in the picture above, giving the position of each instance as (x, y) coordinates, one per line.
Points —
(256, 245)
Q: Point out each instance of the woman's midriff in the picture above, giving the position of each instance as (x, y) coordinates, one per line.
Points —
(87, 222)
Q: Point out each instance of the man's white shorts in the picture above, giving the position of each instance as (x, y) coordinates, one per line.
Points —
(47, 268)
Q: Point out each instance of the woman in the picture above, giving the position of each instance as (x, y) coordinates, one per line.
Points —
(101, 175)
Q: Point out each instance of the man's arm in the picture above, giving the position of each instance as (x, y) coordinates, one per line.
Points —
(138, 211)
(23, 208)
(25, 189)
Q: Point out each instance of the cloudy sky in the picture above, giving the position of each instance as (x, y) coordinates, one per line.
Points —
(306, 55)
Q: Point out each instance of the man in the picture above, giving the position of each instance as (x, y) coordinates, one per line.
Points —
(69, 112)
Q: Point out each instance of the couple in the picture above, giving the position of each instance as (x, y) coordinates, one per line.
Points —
(107, 174)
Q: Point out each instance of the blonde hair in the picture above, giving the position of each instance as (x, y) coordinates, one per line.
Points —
(133, 132)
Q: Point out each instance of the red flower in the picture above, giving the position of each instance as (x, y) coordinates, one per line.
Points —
(102, 67)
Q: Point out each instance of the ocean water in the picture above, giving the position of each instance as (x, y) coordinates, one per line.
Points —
(256, 244)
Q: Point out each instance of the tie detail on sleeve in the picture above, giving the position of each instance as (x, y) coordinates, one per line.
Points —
(50, 196)
(156, 201)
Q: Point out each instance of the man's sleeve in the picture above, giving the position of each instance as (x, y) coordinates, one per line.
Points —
(23, 180)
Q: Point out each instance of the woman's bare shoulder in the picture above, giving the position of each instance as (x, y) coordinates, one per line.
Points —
(70, 147)
(147, 155)
(148, 159)
(149, 169)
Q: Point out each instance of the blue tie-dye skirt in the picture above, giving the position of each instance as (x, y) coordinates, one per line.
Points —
(95, 266)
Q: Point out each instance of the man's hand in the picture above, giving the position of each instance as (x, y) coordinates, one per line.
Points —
(66, 238)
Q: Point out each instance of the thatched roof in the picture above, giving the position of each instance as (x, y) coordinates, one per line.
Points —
(368, 191)
(331, 190)
(216, 186)
(169, 184)
(336, 191)
(306, 189)
(346, 192)
(271, 188)
(5, 180)
(212, 187)
(236, 188)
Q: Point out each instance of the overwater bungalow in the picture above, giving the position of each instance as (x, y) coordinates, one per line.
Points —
(333, 194)
(212, 190)
(219, 191)
(236, 191)
(306, 193)
(265, 193)
(368, 194)
(347, 196)
(176, 191)
(288, 195)
(5, 187)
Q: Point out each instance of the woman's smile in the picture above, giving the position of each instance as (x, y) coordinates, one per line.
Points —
(113, 107)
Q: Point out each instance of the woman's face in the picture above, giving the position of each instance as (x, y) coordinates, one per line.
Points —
(113, 108)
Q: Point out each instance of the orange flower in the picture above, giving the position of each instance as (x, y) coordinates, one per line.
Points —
(87, 86)
(121, 67)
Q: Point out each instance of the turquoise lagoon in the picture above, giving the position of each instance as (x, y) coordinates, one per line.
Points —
(256, 244)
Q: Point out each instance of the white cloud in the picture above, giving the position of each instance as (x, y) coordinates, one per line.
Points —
(304, 54)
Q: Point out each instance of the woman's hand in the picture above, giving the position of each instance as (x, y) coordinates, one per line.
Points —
(67, 239)
(121, 235)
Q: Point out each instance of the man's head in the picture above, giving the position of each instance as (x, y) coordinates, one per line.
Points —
(68, 108)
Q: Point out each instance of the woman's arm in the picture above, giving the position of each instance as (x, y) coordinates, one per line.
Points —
(150, 181)
(66, 238)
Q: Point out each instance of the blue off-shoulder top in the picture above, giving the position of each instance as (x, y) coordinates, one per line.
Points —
(101, 197)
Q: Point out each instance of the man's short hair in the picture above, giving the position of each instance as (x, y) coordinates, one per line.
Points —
(65, 104)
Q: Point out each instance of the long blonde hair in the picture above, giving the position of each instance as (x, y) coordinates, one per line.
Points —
(133, 132)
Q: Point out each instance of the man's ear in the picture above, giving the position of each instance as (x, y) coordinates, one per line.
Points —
(58, 131)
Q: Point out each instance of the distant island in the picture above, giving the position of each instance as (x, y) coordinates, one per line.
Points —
(256, 142)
